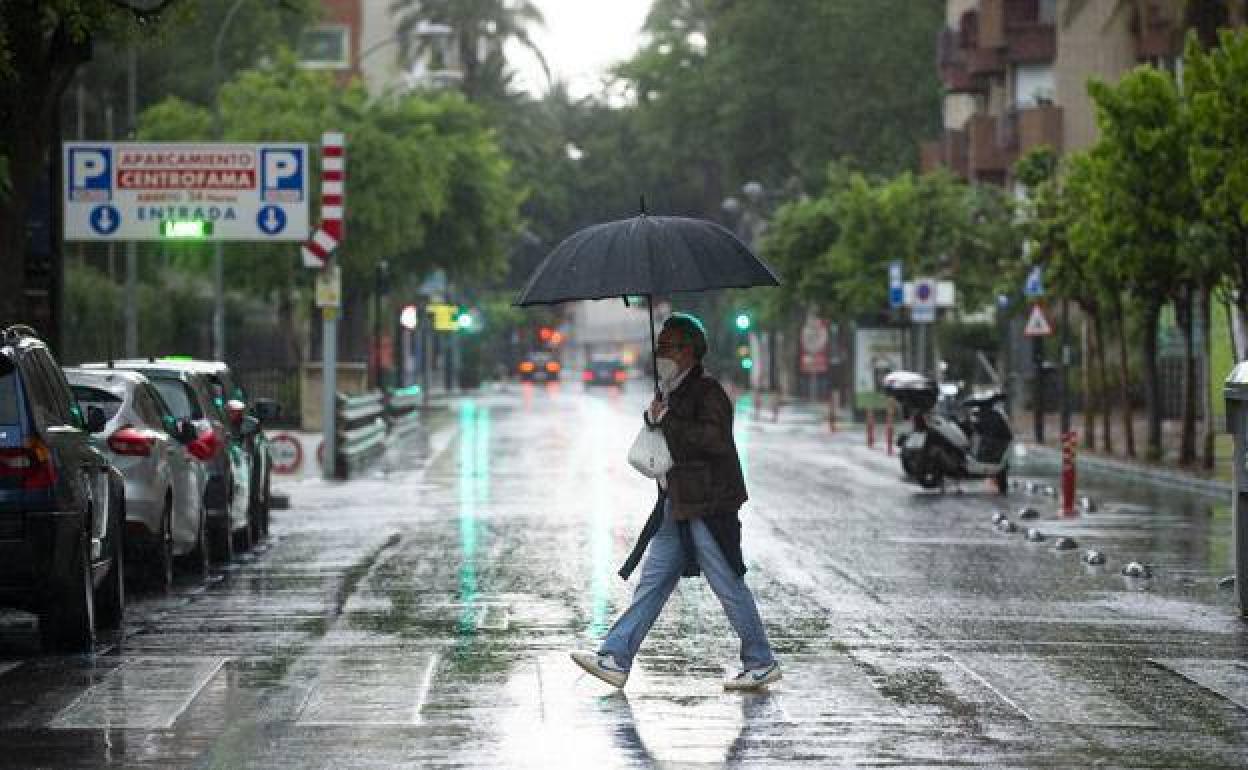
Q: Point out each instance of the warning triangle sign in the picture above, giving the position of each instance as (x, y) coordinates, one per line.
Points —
(1037, 322)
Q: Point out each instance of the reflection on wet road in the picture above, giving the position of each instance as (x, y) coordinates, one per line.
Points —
(421, 618)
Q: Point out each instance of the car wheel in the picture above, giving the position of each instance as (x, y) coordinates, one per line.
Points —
(110, 597)
(196, 562)
(67, 622)
(1002, 480)
(220, 538)
(160, 557)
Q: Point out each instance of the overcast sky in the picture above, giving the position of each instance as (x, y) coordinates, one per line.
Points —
(582, 38)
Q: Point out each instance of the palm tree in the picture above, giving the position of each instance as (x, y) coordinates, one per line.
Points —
(480, 29)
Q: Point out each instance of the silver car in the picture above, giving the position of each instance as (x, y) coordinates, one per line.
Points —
(165, 514)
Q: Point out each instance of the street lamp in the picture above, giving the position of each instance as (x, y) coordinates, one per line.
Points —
(218, 257)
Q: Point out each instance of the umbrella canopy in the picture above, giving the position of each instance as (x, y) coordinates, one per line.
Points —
(645, 255)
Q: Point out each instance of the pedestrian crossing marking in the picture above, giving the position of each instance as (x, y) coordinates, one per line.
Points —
(370, 692)
(1227, 678)
(146, 693)
(1047, 693)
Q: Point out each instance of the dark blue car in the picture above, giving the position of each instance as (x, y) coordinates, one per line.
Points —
(62, 505)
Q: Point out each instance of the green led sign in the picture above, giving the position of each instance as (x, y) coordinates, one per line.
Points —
(185, 228)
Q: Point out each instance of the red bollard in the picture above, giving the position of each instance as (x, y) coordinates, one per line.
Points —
(888, 428)
(833, 403)
(1069, 442)
(870, 428)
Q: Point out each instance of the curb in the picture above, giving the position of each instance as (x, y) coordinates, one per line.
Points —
(1160, 476)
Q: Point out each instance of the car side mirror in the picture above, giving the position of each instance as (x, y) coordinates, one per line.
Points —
(249, 426)
(96, 419)
(185, 432)
(267, 409)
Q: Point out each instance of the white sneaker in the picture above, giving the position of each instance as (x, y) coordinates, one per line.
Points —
(754, 678)
(602, 666)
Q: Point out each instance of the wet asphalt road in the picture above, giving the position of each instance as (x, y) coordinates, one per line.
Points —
(422, 619)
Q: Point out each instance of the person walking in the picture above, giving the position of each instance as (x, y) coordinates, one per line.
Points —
(694, 527)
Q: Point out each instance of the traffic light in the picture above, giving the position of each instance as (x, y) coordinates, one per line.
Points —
(743, 322)
(465, 320)
(747, 363)
(545, 333)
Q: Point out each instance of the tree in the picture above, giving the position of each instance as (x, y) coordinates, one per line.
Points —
(42, 46)
(1143, 175)
(481, 29)
(428, 185)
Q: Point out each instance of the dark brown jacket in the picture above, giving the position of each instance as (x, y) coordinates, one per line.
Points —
(706, 478)
(705, 481)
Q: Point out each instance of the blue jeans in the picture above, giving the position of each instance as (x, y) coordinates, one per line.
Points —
(660, 572)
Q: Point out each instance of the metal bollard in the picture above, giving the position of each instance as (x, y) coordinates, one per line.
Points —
(888, 428)
(870, 428)
(833, 403)
(1070, 441)
(1235, 391)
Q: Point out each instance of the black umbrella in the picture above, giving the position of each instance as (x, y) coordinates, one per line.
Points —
(645, 256)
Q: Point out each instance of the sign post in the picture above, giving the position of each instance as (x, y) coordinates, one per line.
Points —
(814, 354)
(1037, 328)
(318, 253)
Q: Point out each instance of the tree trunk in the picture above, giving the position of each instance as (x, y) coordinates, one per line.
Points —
(1206, 321)
(1187, 434)
(1085, 375)
(1152, 378)
(1124, 380)
(1102, 388)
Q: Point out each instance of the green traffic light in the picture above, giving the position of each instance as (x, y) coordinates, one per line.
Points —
(465, 321)
(743, 321)
(747, 363)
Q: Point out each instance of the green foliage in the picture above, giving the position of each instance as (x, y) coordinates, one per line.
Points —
(1214, 81)
(835, 249)
(428, 185)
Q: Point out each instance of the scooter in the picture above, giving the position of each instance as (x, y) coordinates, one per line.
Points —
(941, 445)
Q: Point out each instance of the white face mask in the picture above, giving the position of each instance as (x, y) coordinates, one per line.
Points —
(666, 368)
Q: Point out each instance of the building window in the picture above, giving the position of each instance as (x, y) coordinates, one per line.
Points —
(1033, 85)
(325, 46)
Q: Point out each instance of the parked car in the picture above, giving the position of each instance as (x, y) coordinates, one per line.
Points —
(540, 366)
(192, 396)
(605, 371)
(165, 513)
(62, 505)
(246, 423)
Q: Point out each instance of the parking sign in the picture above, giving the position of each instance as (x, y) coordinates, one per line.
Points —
(139, 191)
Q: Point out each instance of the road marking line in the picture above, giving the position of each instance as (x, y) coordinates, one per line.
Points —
(423, 693)
(138, 694)
(1225, 678)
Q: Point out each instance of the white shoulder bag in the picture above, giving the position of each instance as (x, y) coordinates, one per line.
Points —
(649, 453)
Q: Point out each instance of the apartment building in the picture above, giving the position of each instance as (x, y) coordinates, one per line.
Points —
(361, 39)
(1015, 74)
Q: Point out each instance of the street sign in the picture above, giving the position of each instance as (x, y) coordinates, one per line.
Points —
(1034, 285)
(286, 453)
(896, 286)
(814, 340)
(140, 191)
(1038, 324)
(923, 314)
(329, 287)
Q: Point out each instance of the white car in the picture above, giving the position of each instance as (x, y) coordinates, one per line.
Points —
(165, 514)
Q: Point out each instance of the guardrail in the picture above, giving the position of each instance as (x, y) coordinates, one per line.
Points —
(361, 433)
(367, 422)
(403, 409)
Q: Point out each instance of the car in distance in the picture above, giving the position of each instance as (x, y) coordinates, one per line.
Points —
(165, 514)
(605, 371)
(62, 505)
(540, 366)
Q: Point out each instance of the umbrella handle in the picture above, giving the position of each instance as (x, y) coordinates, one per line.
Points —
(654, 354)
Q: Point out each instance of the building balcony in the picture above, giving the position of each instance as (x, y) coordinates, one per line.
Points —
(1040, 126)
(992, 23)
(956, 79)
(947, 152)
(989, 151)
(984, 62)
(1156, 35)
(1031, 43)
